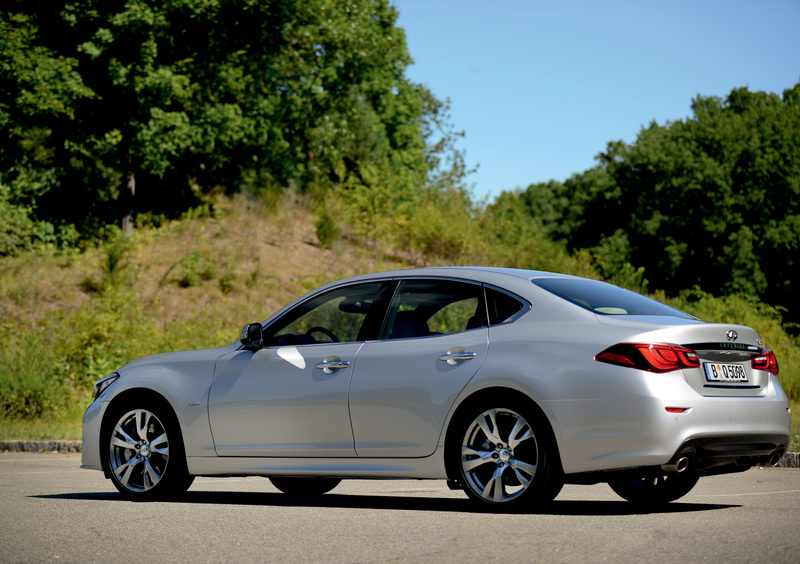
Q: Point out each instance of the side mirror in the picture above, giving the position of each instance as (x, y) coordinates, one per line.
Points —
(252, 335)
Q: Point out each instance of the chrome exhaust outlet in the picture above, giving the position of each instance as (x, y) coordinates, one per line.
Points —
(676, 467)
(775, 457)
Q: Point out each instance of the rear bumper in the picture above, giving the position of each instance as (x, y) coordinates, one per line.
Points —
(636, 426)
(708, 456)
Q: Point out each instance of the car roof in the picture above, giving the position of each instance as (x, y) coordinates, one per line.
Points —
(483, 273)
(512, 279)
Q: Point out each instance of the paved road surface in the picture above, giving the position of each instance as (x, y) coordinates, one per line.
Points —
(52, 511)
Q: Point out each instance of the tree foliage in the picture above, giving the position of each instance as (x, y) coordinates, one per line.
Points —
(712, 201)
(38, 92)
(163, 99)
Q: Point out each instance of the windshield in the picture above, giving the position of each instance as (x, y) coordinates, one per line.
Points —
(606, 299)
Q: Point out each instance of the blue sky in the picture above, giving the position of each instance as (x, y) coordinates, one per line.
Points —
(540, 87)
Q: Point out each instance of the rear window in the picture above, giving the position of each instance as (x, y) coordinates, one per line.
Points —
(606, 299)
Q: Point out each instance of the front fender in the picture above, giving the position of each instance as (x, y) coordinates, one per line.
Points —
(183, 379)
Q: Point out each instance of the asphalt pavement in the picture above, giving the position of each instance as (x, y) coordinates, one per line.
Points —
(52, 511)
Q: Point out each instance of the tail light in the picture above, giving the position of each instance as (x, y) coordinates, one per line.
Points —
(650, 357)
(765, 361)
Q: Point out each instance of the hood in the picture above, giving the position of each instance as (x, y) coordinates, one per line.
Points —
(181, 357)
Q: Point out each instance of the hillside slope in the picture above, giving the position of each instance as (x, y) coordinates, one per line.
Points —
(239, 264)
(67, 320)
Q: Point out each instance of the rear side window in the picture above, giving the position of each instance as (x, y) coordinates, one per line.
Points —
(425, 308)
(503, 307)
(606, 299)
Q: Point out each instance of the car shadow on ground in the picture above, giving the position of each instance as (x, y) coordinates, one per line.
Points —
(405, 503)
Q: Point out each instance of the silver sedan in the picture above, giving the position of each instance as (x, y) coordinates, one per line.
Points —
(507, 383)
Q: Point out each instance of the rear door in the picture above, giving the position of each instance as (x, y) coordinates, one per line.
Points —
(432, 343)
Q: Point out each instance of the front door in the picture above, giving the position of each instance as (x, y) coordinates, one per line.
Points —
(283, 401)
(290, 398)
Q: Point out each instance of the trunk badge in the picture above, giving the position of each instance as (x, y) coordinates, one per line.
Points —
(732, 335)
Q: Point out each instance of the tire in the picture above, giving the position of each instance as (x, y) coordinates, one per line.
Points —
(504, 457)
(304, 487)
(656, 489)
(144, 453)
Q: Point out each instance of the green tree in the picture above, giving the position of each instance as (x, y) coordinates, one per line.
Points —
(712, 201)
(38, 92)
(186, 95)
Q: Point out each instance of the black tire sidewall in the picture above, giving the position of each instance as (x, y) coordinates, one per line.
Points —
(175, 479)
(548, 480)
(304, 487)
(674, 487)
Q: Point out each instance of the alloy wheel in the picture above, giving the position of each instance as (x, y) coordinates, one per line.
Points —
(499, 455)
(139, 451)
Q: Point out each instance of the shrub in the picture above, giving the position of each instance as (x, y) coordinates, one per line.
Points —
(99, 337)
(16, 227)
(30, 385)
(196, 268)
(327, 232)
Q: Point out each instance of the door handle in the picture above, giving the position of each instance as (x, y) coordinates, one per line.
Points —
(328, 366)
(454, 357)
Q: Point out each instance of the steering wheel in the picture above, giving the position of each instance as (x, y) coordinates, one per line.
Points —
(324, 331)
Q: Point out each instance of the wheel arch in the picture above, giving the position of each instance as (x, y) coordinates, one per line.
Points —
(126, 397)
(495, 394)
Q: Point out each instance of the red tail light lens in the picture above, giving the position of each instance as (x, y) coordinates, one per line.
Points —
(765, 361)
(653, 358)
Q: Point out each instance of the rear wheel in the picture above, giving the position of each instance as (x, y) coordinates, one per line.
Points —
(304, 487)
(656, 489)
(504, 457)
(144, 453)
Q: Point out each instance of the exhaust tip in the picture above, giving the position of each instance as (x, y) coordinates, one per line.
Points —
(680, 465)
(775, 457)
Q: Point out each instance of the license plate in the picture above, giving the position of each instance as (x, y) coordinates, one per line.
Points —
(718, 372)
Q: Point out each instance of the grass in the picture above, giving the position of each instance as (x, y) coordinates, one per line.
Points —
(67, 320)
(43, 429)
(194, 283)
(795, 446)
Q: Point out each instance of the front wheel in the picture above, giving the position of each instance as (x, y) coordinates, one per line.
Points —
(505, 458)
(145, 454)
(654, 490)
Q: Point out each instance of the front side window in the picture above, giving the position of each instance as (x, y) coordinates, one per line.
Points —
(421, 308)
(335, 316)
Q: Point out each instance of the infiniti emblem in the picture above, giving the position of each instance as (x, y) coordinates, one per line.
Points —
(732, 335)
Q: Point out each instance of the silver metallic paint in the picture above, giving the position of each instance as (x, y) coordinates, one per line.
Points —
(401, 392)
(262, 404)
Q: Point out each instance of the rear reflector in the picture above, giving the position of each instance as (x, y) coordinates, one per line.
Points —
(765, 361)
(676, 409)
(651, 357)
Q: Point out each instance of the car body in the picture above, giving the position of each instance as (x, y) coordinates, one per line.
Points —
(508, 383)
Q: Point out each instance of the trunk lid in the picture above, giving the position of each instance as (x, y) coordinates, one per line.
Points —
(725, 352)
